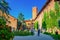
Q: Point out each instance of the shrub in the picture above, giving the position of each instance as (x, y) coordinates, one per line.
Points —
(5, 32)
(36, 25)
(56, 37)
(22, 33)
(47, 33)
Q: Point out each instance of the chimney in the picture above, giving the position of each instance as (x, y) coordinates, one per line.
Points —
(34, 12)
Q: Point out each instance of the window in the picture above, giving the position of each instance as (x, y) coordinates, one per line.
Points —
(28, 23)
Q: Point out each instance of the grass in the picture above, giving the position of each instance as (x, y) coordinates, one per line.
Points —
(55, 37)
(23, 33)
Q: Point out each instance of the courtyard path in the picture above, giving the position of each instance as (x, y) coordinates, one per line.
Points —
(35, 37)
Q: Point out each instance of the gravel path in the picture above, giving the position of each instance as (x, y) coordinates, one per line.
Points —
(35, 37)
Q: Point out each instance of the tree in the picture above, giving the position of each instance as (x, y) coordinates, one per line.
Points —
(5, 31)
(21, 17)
(44, 25)
(57, 9)
(4, 7)
(20, 21)
(2, 21)
(36, 25)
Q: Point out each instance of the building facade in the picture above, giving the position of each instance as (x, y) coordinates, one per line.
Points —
(29, 24)
(10, 20)
(38, 16)
(50, 4)
(46, 8)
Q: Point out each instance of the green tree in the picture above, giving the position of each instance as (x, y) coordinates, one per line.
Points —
(5, 31)
(44, 25)
(4, 7)
(57, 12)
(2, 21)
(21, 22)
(36, 25)
(57, 9)
(21, 17)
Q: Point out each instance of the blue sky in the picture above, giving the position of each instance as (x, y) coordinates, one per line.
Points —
(24, 7)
